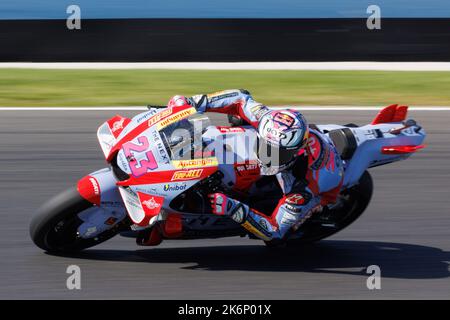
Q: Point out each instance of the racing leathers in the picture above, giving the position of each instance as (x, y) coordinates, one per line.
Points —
(304, 191)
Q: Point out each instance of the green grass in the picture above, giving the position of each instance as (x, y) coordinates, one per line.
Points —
(31, 87)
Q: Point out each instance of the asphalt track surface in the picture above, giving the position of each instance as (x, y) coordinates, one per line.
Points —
(405, 230)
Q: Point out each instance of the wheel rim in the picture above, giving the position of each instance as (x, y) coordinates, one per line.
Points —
(64, 234)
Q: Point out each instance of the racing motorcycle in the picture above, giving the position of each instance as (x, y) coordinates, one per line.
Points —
(163, 163)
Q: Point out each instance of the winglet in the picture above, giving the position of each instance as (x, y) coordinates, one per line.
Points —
(392, 113)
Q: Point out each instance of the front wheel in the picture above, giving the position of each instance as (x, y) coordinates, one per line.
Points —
(55, 226)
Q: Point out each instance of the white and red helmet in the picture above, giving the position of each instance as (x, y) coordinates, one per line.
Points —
(281, 136)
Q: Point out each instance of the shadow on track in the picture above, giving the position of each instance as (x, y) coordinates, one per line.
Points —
(396, 260)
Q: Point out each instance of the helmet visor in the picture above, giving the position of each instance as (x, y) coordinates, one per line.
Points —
(271, 155)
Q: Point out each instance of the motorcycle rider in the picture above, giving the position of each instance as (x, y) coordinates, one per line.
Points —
(304, 161)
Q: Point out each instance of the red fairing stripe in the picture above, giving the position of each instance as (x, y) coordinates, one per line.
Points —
(89, 188)
(168, 176)
(401, 149)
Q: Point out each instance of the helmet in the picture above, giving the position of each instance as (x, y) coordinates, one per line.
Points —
(282, 135)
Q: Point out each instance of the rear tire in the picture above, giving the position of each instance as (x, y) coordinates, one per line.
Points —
(54, 227)
(358, 198)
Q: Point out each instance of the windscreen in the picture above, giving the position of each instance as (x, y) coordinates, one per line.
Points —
(183, 139)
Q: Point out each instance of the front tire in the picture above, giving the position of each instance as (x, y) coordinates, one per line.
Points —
(54, 227)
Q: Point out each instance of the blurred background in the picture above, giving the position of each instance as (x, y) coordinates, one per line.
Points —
(215, 30)
(223, 31)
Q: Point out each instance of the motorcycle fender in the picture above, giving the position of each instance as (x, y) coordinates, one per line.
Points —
(100, 188)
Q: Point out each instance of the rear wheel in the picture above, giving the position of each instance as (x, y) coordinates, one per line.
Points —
(55, 226)
(354, 201)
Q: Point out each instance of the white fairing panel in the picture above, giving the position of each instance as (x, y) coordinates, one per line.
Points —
(110, 211)
(370, 140)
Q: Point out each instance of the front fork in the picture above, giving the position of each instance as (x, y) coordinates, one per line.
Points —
(108, 209)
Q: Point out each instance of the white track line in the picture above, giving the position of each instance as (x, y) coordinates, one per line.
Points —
(143, 108)
(360, 65)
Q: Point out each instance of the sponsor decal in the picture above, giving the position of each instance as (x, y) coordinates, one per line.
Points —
(256, 108)
(148, 162)
(176, 187)
(318, 151)
(162, 152)
(160, 115)
(230, 129)
(292, 208)
(117, 124)
(89, 188)
(216, 96)
(95, 185)
(296, 199)
(284, 119)
(175, 117)
(195, 163)
(258, 111)
(123, 162)
(288, 219)
(151, 204)
(275, 133)
(153, 191)
(187, 174)
(246, 174)
(247, 168)
(145, 116)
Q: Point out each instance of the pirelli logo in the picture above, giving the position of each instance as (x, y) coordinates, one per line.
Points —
(157, 117)
(187, 174)
(195, 163)
(175, 117)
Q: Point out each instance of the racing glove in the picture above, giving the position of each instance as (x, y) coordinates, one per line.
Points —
(223, 205)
